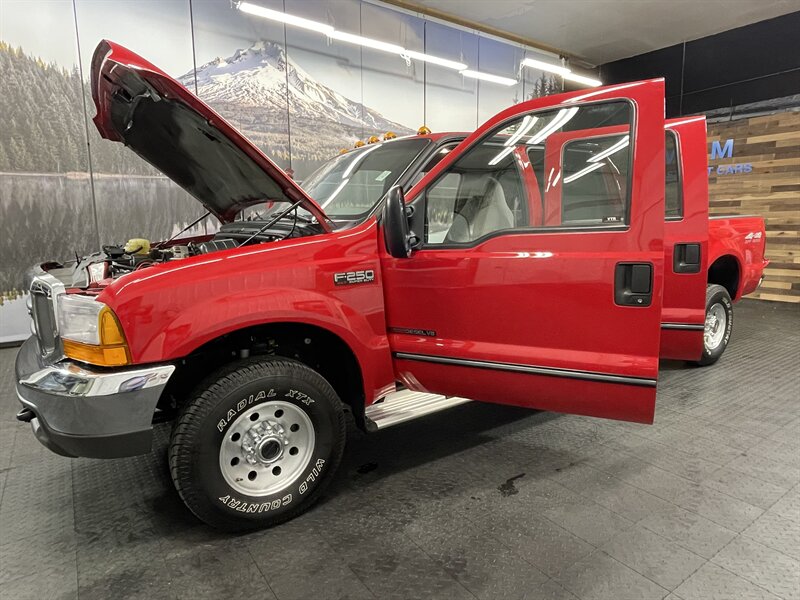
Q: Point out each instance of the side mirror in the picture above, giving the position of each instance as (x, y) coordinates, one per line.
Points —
(400, 240)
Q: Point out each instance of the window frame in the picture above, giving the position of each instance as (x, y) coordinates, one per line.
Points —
(626, 203)
(610, 228)
(679, 168)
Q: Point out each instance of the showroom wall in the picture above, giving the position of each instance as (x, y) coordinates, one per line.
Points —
(754, 63)
(747, 81)
(759, 174)
(298, 94)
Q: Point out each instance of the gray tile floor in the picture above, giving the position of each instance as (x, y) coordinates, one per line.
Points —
(478, 502)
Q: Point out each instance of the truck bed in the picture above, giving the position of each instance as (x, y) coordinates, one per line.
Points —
(744, 237)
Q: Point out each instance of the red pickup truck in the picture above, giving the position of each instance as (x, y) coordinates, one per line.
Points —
(527, 263)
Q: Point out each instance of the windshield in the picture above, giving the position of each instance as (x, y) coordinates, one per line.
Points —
(349, 185)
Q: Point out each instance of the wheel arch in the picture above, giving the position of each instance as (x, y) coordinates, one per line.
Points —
(315, 346)
(726, 270)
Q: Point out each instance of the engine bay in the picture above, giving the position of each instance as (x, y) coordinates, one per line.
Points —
(94, 270)
(138, 254)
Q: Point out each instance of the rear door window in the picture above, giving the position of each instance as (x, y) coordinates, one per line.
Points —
(673, 198)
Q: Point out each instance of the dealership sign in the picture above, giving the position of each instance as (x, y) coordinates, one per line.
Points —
(724, 150)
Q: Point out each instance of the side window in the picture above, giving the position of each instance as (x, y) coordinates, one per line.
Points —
(441, 207)
(492, 187)
(594, 181)
(673, 199)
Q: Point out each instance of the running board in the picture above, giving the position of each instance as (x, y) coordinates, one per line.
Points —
(405, 405)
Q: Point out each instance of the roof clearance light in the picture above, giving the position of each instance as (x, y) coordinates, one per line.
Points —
(274, 15)
(543, 66)
(389, 135)
(435, 60)
(584, 80)
(365, 41)
(344, 151)
(423, 131)
(488, 77)
(373, 139)
(358, 144)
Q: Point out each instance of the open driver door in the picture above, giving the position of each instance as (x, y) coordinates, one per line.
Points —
(563, 315)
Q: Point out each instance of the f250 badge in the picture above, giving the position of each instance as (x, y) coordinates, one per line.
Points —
(353, 277)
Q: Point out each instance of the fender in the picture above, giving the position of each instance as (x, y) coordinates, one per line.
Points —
(169, 310)
(727, 242)
(728, 245)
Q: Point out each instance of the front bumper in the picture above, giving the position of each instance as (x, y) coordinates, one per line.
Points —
(84, 411)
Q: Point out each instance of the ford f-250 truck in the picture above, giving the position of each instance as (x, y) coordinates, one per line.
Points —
(531, 265)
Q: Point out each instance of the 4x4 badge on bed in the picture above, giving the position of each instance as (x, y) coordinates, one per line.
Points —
(352, 277)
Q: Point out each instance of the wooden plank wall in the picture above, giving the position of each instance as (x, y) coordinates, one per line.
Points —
(771, 144)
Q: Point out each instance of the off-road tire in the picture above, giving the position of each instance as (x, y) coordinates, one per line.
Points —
(716, 295)
(223, 401)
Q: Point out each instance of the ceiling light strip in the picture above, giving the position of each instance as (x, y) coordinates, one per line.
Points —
(588, 81)
(442, 62)
(565, 72)
(488, 77)
(295, 21)
(275, 15)
(543, 66)
(360, 40)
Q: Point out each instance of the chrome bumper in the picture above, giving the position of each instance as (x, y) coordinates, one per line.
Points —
(93, 412)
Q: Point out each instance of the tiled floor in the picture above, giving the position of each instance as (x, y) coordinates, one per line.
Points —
(478, 502)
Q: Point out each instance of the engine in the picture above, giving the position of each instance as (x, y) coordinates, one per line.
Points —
(139, 253)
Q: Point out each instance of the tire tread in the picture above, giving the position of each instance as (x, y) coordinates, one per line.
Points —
(194, 413)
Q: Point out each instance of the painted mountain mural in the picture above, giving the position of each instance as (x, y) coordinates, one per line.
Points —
(250, 89)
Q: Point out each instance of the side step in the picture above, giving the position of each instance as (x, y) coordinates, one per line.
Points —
(406, 405)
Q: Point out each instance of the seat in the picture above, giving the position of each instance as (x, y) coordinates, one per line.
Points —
(482, 215)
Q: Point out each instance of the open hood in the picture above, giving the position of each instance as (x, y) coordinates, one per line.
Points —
(176, 132)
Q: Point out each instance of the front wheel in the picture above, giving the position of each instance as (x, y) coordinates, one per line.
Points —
(257, 444)
(718, 325)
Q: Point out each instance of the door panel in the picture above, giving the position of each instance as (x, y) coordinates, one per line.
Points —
(522, 314)
(685, 239)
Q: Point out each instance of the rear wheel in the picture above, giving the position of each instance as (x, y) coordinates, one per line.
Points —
(718, 325)
(257, 444)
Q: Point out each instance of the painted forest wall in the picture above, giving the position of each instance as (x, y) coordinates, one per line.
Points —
(297, 94)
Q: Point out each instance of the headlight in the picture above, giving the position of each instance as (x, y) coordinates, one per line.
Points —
(90, 332)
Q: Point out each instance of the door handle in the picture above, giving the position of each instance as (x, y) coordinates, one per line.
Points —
(633, 284)
(686, 258)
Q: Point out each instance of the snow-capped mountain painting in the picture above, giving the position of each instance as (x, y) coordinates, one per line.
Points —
(251, 88)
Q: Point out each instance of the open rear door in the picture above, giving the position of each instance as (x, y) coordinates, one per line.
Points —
(685, 239)
(562, 314)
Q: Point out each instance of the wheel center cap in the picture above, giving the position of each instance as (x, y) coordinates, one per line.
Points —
(269, 450)
(263, 443)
